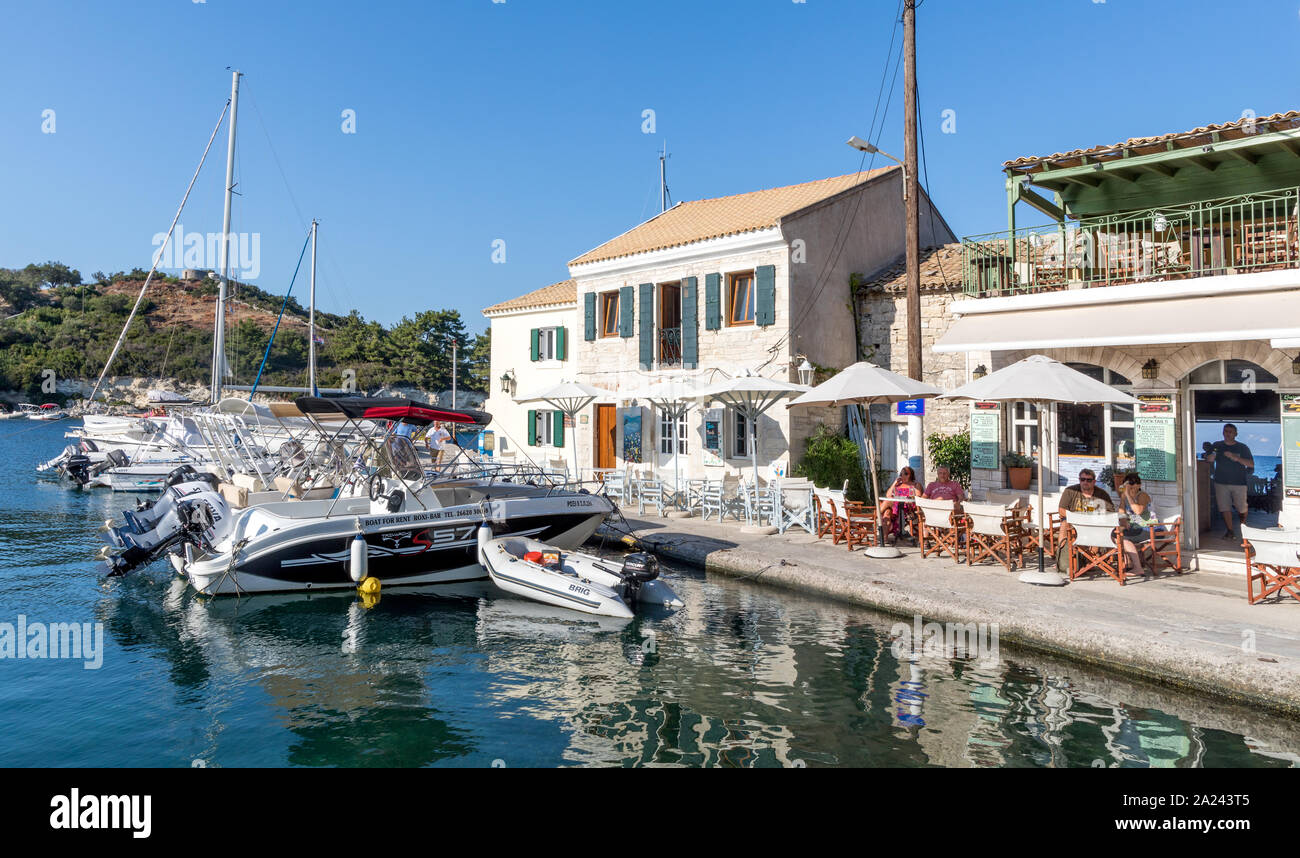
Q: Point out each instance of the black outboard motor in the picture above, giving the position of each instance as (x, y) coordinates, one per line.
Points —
(113, 459)
(188, 474)
(77, 468)
(638, 568)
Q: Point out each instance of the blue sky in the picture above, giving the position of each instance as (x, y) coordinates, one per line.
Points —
(522, 121)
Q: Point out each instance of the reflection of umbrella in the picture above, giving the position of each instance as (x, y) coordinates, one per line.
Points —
(751, 396)
(866, 384)
(673, 398)
(1040, 380)
(569, 397)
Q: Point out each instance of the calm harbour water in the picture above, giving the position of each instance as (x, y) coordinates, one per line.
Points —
(743, 676)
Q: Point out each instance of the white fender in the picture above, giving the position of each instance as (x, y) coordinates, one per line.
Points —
(358, 568)
(484, 536)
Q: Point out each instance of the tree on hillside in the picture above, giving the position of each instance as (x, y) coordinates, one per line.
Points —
(52, 274)
(477, 370)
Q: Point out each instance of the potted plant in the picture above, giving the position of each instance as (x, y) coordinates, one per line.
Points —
(1020, 469)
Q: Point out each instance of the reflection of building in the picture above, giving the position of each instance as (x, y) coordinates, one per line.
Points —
(1168, 268)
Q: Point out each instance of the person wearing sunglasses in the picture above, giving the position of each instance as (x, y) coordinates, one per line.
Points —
(1086, 496)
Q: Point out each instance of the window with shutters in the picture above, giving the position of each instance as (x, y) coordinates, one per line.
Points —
(546, 428)
(741, 427)
(666, 434)
(609, 314)
(548, 344)
(670, 324)
(740, 298)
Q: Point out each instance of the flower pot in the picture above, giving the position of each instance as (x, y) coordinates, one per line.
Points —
(1020, 477)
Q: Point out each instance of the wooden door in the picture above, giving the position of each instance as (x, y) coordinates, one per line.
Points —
(605, 424)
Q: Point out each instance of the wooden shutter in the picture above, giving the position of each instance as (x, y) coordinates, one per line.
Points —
(532, 428)
(536, 348)
(765, 306)
(712, 302)
(561, 343)
(589, 316)
(557, 429)
(647, 320)
(625, 298)
(690, 323)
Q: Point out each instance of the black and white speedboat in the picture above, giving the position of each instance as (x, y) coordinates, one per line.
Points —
(415, 529)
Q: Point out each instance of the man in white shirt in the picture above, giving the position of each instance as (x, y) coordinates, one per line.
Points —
(439, 441)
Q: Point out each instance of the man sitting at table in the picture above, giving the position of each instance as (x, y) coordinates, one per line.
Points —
(1084, 496)
(945, 487)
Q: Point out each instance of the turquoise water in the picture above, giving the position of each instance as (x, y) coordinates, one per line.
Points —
(743, 676)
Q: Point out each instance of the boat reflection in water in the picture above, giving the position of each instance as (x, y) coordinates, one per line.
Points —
(742, 676)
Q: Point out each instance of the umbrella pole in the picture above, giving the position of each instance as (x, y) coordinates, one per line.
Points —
(879, 550)
(1042, 518)
(677, 468)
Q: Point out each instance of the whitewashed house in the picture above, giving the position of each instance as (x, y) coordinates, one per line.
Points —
(532, 348)
(757, 282)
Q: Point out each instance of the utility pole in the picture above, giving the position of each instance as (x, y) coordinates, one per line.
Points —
(913, 232)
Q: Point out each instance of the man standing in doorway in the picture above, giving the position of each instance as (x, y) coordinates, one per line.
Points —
(1233, 466)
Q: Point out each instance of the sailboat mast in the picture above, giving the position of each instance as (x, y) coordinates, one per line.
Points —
(311, 317)
(219, 336)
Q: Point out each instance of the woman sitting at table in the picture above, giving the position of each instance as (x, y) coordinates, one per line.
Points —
(1142, 520)
(891, 511)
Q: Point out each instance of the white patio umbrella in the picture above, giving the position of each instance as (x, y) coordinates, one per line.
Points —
(569, 397)
(1041, 381)
(673, 397)
(751, 396)
(866, 384)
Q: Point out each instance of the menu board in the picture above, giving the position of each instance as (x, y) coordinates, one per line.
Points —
(1153, 436)
(1291, 439)
(984, 435)
(713, 437)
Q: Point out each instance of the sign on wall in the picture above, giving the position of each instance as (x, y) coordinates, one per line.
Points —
(911, 408)
(1154, 436)
(1291, 440)
(984, 435)
(713, 437)
(632, 435)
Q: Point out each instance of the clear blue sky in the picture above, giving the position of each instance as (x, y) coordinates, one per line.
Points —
(522, 120)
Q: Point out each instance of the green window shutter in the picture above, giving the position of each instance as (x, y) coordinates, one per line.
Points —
(765, 300)
(561, 343)
(557, 428)
(690, 323)
(647, 320)
(589, 316)
(536, 348)
(712, 302)
(625, 299)
(532, 428)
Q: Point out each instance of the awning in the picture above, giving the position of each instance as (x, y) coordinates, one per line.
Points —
(1231, 317)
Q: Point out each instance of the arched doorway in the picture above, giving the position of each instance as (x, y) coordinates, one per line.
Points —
(1243, 395)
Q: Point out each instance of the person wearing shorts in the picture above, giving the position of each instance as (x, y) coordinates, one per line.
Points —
(1233, 466)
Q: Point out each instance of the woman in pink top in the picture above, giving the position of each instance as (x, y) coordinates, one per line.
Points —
(892, 513)
(945, 488)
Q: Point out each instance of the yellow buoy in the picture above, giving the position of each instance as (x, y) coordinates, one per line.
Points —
(369, 586)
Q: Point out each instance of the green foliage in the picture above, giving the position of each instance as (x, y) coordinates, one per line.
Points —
(1012, 459)
(829, 459)
(952, 452)
(71, 328)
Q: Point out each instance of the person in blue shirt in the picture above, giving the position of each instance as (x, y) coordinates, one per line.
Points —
(1233, 465)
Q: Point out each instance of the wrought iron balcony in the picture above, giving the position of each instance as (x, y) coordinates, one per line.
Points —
(670, 346)
(1229, 235)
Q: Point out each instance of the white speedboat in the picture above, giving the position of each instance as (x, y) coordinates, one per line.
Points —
(533, 569)
(415, 530)
(48, 411)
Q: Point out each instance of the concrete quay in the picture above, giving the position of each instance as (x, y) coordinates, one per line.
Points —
(1194, 631)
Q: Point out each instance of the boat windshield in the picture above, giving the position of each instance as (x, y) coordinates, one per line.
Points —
(402, 458)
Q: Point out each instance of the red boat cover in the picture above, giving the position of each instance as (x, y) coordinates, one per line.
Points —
(389, 408)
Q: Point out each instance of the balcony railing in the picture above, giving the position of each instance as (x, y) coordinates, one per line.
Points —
(1229, 235)
(670, 346)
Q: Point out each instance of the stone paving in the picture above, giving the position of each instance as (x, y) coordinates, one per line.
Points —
(1194, 630)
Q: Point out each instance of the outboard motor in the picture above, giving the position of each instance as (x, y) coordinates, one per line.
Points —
(112, 459)
(638, 568)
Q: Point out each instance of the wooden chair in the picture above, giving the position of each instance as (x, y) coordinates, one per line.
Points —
(859, 523)
(941, 528)
(823, 512)
(795, 506)
(1273, 560)
(1166, 546)
(1095, 546)
(839, 519)
(993, 532)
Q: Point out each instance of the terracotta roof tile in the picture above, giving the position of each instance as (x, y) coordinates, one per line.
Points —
(700, 220)
(941, 268)
(1183, 139)
(564, 292)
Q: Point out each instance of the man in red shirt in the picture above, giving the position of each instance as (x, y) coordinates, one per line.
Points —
(945, 488)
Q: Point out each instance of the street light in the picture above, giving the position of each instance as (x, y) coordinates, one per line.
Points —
(863, 146)
(805, 373)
